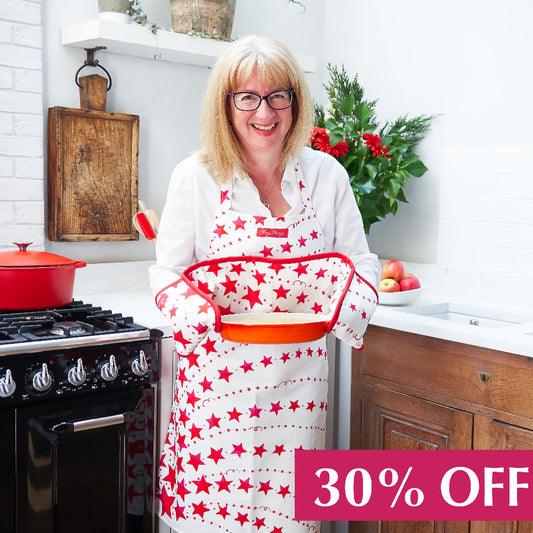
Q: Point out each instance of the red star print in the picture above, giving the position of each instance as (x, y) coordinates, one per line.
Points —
(267, 361)
(302, 241)
(178, 337)
(202, 485)
(182, 491)
(200, 509)
(238, 449)
(294, 406)
(265, 487)
(209, 346)
(352, 307)
(242, 518)
(252, 297)
(279, 449)
(224, 196)
(301, 269)
(309, 352)
(266, 251)
(229, 285)
(301, 185)
(254, 411)
(276, 267)
(259, 523)
(275, 408)
(334, 279)
(193, 360)
(170, 477)
(260, 220)
(286, 247)
(363, 315)
(179, 512)
(314, 234)
(214, 268)
(204, 307)
(223, 484)
(173, 312)
(216, 455)
(259, 450)
(281, 292)
(310, 406)
(284, 490)
(201, 328)
(182, 377)
(213, 421)
(234, 415)
(239, 223)
(301, 298)
(204, 287)
(298, 353)
(245, 485)
(195, 460)
(181, 442)
(191, 398)
(195, 432)
(317, 308)
(206, 385)
(220, 230)
(223, 511)
(247, 367)
(166, 502)
(285, 357)
(225, 374)
(237, 268)
(260, 278)
(320, 273)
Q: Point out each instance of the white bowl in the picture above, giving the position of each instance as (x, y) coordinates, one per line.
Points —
(399, 298)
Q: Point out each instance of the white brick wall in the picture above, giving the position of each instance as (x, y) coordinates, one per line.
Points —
(22, 203)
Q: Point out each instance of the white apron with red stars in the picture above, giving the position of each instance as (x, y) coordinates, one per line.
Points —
(240, 410)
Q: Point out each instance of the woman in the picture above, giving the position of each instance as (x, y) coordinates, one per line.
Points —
(240, 411)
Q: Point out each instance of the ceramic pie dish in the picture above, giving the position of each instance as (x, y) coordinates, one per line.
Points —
(273, 328)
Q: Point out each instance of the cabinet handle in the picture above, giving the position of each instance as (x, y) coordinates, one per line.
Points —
(484, 377)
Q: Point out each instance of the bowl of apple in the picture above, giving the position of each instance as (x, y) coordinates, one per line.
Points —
(398, 287)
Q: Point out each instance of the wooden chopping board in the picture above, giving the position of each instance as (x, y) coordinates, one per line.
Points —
(92, 175)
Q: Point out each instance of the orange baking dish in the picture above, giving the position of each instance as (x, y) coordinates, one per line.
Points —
(273, 328)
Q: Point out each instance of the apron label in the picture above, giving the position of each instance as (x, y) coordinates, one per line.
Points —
(280, 233)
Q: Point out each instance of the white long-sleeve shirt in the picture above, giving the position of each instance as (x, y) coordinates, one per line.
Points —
(193, 200)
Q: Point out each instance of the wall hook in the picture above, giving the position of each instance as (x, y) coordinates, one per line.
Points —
(92, 62)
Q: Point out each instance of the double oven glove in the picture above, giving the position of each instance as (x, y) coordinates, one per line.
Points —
(190, 314)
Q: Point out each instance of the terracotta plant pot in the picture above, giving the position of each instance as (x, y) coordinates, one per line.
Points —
(209, 17)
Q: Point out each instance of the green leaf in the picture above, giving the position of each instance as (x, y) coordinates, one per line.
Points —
(330, 124)
(347, 104)
(416, 168)
(362, 112)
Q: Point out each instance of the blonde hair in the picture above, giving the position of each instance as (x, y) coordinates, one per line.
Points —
(222, 152)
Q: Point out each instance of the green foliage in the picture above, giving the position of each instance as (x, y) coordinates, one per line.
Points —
(377, 177)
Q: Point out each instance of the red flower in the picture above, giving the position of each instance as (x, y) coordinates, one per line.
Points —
(320, 140)
(373, 141)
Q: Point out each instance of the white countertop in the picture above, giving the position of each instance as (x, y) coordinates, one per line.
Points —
(124, 288)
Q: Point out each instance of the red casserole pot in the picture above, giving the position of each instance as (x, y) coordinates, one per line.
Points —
(35, 280)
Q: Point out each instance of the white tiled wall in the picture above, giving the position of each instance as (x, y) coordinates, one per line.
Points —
(21, 123)
(486, 209)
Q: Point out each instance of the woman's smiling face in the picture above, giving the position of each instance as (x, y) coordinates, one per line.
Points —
(264, 129)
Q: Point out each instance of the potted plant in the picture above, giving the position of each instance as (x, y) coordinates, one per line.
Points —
(380, 160)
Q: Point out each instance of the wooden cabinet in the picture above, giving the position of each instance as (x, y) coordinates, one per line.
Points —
(411, 392)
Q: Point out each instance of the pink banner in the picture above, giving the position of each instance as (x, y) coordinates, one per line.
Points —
(414, 485)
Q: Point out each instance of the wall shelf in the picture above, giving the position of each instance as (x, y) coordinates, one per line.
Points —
(138, 41)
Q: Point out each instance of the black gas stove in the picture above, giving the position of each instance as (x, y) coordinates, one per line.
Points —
(78, 390)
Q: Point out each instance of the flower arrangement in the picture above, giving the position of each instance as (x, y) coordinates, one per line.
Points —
(379, 159)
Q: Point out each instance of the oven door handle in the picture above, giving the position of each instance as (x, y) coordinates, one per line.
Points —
(85, 425)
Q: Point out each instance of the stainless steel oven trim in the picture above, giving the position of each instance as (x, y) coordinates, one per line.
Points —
(73, 342)
(88, 424)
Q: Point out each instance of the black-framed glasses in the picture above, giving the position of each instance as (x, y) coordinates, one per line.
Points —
(251, 101)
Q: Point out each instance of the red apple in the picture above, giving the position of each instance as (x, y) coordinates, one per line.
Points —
(392, 269)
(409, 282)
(389, 285)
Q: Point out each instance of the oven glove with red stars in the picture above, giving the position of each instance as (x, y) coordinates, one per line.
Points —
(190, 314)
(358, 306)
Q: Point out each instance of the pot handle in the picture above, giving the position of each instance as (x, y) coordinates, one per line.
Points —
(80, 264)
(22, 245)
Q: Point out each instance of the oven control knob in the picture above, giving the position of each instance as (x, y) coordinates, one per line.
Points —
(139, 365)
(42, 380)
(109, 370)
(7, 385)
(76, 375)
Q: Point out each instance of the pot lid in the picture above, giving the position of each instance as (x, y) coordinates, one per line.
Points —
(24, 258)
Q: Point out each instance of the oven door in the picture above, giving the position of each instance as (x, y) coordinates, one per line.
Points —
(86, 464)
